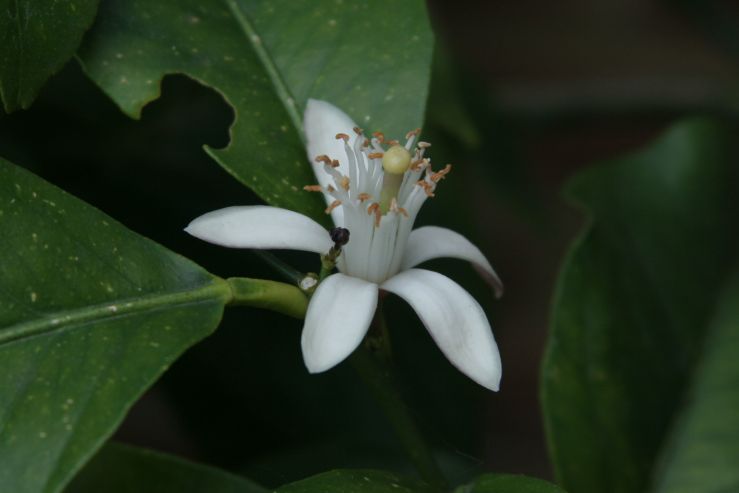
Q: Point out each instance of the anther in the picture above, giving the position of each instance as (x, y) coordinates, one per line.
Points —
(375, 209)
(375, 155)
(379, 136)
(393, 143)
(343, 137)
(439, 175)
(358, 130)
(323, 159)
(419, 164)
(313, 188)
(345, 183)
(334, 205)
(334, 163)
(364, 196)
(398, 210)
(427, 187)
(412, 133)
(423, 145)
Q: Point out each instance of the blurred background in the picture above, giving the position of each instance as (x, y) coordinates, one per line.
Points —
(523, 95)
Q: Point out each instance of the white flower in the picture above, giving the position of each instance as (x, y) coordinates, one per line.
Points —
(374, 189)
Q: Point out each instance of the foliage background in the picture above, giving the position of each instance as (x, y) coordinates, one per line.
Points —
(524, 95)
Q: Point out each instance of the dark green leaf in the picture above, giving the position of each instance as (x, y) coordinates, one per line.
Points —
(37, 37)
(508, 483)
(90, 315)
(355, 481)
(267, 58)
(633, 309)
(124, 469)
(704, 443)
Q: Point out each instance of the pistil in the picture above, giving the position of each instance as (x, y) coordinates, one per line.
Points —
(395, 162)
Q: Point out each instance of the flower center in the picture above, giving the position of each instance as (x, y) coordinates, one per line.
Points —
(380, 192)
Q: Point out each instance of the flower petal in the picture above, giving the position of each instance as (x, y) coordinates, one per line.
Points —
(339, 314)
(260, 226)
(431, 242)
(455, 320)
(322, 121)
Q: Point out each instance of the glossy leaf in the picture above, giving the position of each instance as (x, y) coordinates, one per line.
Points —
(90, 315)
(37, 37)
(355, 481)
(633, 310)
(508, 483)
(267, 58)
(124, 469)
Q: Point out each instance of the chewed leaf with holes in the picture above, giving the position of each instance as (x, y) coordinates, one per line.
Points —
(267, 58)
(90, 315)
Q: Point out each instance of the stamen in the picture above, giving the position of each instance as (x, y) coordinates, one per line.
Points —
(427, 187)
(366, 143)
(364, 196)
(345, 183)
(313, 188)
(330, 189)
(423, 145)
(343, 137)
(334, 163)
(323, 159)
(336, 203)
(419, 164)
(358, 130)
(379, 136)
(412, 133)
(375, 208)
(398, 210)
(439, 175)
(375, 155)
(393, 143)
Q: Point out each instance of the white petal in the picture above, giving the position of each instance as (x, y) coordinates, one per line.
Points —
(260, 226)
(431, 242)
(339, 314)
(321, 122)
(455, 320)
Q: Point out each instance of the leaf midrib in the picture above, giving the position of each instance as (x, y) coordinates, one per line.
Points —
(269, 65)
(65, 319)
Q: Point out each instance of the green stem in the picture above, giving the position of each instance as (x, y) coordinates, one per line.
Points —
(272, 295)
(372, 362)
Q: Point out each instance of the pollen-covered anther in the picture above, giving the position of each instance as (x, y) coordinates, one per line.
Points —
(358, 130)
(343, 137)
(398, 210)
(375, 155)
(344, 183)
(427, 187)
(419, 164)
(323, 159)
(330, 189)
(412, 133)
(439, 175)
(313, 188)
(364, 196)
(336, 203)
(375, 208)
(366, 143)
(334, 163)
(423, 145)
(379, 136)
(393, 142)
